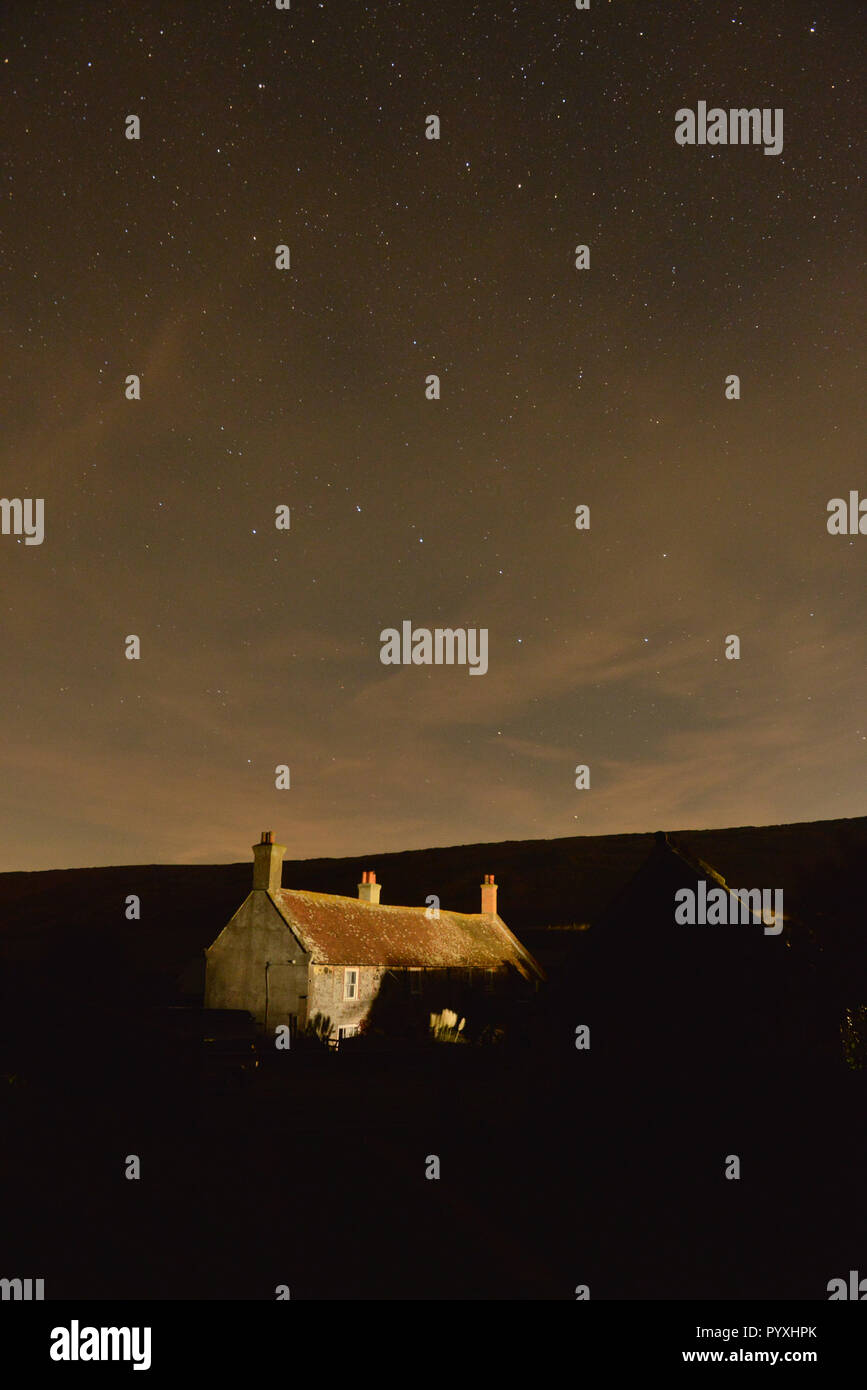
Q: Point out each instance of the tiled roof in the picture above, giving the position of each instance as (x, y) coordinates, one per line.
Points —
(347, 931)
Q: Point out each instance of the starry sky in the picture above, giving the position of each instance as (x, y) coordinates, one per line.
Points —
(306, 388)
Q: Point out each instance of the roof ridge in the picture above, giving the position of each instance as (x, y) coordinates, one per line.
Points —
(384, 907)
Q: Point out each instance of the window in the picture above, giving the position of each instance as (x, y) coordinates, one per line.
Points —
(349, 1030)
(350, 983)
(415, 982)
(489, 981)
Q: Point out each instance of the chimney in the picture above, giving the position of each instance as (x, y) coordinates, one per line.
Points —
(368, 888)
(268, 863)
(489, 896)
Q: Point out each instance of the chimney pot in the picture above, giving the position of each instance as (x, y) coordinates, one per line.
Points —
(368, 888)
(489, 896)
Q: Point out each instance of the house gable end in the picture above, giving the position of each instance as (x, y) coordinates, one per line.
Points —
(259, 911)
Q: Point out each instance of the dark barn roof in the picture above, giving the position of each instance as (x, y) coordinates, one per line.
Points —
(682, 994)
(348, 931)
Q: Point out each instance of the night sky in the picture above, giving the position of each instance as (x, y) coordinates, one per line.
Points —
(306, 388)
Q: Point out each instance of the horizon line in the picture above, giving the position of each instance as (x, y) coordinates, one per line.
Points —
(430, 849)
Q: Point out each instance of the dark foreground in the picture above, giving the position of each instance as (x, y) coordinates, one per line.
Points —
(309, 1172)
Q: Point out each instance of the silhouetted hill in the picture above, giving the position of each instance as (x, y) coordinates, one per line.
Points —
(66, 921)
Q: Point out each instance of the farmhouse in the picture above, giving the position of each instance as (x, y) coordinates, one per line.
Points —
(287, 956)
